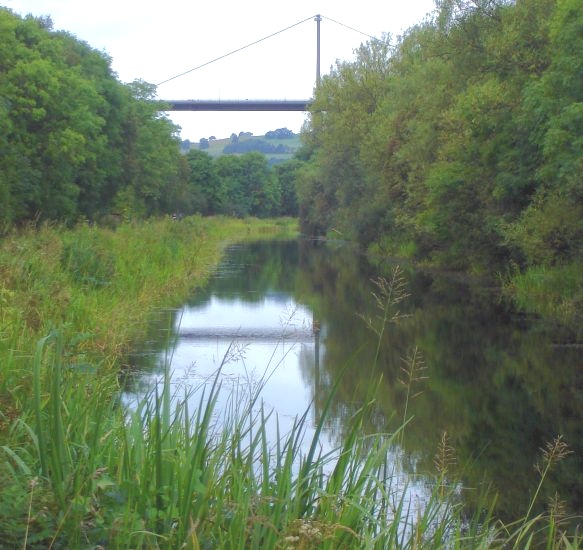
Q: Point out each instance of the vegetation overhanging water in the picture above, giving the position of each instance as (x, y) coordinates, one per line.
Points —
(80, 472)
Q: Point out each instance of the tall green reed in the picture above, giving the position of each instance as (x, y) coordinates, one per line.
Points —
(389, 293)
(173, 473)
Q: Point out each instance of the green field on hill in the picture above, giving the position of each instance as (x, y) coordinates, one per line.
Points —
(216, 147)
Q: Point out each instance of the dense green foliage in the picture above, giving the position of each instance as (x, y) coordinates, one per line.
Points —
(74, 140)
(462, 144)
(77, 143)
(240, 185)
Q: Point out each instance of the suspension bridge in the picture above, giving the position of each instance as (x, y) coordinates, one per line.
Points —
(251, 104)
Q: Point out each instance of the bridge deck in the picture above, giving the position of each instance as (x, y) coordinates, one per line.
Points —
(237, 105)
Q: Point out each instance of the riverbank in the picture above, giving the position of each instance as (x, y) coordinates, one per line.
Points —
(95, 290)
(80, 471)
(98, 286)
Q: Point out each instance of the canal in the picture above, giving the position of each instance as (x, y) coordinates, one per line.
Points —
(291, 320)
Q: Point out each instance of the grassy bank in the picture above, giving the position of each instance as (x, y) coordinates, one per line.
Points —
(99, 287)
(554, 293)
(80, 471)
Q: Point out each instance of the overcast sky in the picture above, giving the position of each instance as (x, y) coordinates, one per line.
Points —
(155, 41)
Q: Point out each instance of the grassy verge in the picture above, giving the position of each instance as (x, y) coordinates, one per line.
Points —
(553, 292)
(99, 287)
(80, 471)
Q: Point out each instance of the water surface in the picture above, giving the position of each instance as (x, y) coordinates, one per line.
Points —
(289, 317)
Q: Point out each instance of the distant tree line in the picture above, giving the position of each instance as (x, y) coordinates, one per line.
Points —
(462, 145)
(258, 145)
(240, 185)
(280, 133)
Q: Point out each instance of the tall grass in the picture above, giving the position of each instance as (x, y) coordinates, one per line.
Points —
(100, 286)
(554, 292)
(163, 476)
(79, 470)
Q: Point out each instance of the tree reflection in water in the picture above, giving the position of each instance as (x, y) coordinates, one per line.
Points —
(499, 384)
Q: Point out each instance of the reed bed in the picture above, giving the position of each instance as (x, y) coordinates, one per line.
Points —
(90, 473)
(80, 470)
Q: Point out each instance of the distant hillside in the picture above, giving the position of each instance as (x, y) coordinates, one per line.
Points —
(275, 149)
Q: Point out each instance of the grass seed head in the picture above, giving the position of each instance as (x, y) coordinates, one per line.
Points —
(445, 457)
(553, 452)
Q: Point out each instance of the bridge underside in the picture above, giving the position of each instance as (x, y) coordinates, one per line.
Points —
(237, 105)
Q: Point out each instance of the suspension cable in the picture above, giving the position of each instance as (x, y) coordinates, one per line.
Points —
(234, 51)
(266, 38)
(352, 29)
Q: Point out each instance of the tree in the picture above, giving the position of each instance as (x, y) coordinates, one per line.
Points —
(280, 133)
(75, 141)
(55, 119)
(459, 145)
(549, 231)
(151, 154)
(260, 184)
(250, 188)
(207, 193)
(287, 175)
(333, 193)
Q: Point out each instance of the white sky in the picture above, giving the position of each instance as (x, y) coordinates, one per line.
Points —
(155, 41)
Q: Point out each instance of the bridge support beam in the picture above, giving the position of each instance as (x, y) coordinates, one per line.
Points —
(318, 19)
(236, 105)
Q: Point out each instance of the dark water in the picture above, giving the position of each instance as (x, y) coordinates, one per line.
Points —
(499, 384)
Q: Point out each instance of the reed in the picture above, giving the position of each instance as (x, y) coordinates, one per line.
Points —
(82, 470)
(411, 376)
(165, 475)
(389, 293)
